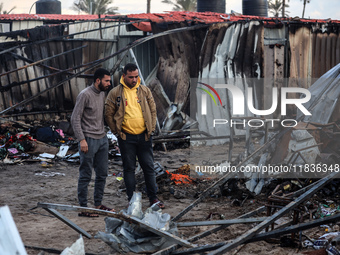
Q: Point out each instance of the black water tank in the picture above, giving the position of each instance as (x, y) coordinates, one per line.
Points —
(211, 6)
(48, 7)
(255, 7)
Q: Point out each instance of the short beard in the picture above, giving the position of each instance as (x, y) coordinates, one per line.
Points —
(101, 87)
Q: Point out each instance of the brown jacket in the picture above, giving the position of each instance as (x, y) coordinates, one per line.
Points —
(115, 110)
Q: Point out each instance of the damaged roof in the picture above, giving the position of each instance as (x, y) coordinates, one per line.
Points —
(168, 17)
(49, 17)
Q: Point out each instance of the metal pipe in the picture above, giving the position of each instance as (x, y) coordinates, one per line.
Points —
(42, 60)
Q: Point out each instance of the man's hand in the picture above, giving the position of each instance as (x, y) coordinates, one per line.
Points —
(83, 146)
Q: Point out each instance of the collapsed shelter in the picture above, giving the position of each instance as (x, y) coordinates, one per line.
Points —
(46, 60)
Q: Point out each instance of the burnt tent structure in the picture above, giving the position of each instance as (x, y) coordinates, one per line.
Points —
(44, 66)
(263, 52)
(172, 49)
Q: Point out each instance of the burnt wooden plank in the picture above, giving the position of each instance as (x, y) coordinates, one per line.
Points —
(16, 93)
(55, 94)
(43, 85)
(69, 63)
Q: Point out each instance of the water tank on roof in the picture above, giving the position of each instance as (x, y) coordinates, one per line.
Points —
(48, 7)
(255, 7)
(211, 6)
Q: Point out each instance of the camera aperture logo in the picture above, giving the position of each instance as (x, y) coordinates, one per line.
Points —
(239, 103)
(204, 97)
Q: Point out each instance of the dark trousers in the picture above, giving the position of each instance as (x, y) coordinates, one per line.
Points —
(135, 145)
(96, 158)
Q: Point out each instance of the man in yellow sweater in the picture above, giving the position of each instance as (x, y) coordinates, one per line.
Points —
(130, 112)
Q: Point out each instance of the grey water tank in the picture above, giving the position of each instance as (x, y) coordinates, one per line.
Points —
(255, 7)
(48, 7)
(211, 6)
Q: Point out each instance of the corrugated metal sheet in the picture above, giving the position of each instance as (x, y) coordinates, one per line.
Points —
(293, 53)
(57, 100)
(234, 52)
(20, 85)
(324, 104)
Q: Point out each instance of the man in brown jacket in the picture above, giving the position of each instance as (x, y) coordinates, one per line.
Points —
(130, 112)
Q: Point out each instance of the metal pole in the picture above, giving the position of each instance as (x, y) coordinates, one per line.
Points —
(42, 60)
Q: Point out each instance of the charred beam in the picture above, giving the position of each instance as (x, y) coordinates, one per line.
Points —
(220, 222)
(53, 69)
(249, 234)
(42, 60)
(68, 222)
(174, 247)
(121, 216)
(264, 236)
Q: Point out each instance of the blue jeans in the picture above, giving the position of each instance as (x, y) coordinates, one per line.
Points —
(135, 145)
(96, 158)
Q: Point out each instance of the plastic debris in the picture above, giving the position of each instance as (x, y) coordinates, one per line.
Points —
(49, 174)
(62, 151)
(124, 237)
(324, 242)
(326, 210)
(76, 248)
(47, 155)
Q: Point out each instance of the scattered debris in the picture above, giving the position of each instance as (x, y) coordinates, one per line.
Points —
(121, 216)
(125, 237)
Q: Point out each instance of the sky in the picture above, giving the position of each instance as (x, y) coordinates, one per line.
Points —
(315, 9)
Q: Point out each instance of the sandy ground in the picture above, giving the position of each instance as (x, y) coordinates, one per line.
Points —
(22, 186)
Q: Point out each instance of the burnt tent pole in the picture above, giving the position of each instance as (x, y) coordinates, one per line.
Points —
(100, 27)
(6, 87)
(42, 60)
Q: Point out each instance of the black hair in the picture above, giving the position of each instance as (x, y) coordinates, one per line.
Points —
(129, 67)
(100, 73)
